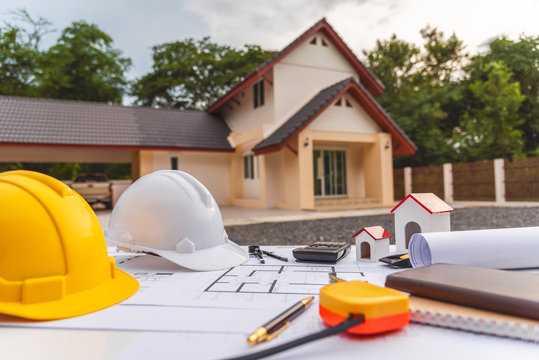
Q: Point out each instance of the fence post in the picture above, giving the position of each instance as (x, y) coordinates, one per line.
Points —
(448, 183)
(499, 181)
(407, 180)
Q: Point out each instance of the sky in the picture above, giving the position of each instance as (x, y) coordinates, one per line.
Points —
(137, 25)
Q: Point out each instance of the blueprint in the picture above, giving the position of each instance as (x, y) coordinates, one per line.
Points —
(179, 311)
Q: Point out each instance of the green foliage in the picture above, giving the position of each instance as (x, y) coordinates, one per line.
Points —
(455, 112)
(420, 91)
(18, 62)
(83, 65)
(490, 129)
(192, 74)
(522, 59)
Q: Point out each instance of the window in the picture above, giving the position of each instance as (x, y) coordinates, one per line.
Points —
(329, 172)
(258, 94)
(250, 167)
(313, 41)
(174, 162)
(339, 102)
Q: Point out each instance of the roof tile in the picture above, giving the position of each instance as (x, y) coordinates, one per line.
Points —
(65, 122)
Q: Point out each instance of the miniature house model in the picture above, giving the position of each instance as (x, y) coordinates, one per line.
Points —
(372, 243)
(419, 212)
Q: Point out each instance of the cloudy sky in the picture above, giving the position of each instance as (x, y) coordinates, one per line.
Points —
(137, 25)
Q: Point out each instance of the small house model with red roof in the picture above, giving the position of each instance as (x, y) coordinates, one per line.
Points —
(420, 213)
(372, 243)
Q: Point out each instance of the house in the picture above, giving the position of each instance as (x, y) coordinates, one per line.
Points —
(372, 243)
(419, 212)
(302, 131)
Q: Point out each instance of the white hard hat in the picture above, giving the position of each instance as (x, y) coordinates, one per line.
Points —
(171, 214)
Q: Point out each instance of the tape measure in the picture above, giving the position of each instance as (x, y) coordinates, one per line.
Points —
(383, 309)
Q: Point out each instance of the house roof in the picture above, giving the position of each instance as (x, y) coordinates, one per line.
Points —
(376, 232)
(402, 145)
(49, 122)
(430, 202)
(369, 80)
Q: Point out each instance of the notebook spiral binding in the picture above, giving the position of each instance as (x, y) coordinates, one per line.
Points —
(482, 325)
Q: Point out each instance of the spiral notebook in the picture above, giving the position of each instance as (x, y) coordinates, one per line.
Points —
(437, 313)
(496, 302)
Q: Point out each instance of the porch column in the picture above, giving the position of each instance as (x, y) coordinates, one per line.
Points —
(305, 162)
(379, 170)
(141, 163)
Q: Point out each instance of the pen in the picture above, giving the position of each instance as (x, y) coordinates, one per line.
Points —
(272, 328)
(273, 255)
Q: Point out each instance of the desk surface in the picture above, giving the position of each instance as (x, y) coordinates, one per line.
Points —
(180, 314)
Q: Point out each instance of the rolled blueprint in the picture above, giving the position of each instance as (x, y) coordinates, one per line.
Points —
(514, 248)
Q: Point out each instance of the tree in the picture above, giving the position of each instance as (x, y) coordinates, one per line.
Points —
(19, 53)
(421, 92)
(18, 62)
(83, 65)
(192, 74)
(522, 59)
(490, 129)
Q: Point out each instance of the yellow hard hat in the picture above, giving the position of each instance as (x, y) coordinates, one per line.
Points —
(53, 257)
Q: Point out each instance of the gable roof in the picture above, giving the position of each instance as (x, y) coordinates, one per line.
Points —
(376, 232)
(428, 201)
(34, 121)
(371, 83)
(402, 145)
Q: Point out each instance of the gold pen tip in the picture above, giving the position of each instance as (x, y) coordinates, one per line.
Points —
(308, 300)
(257, 337)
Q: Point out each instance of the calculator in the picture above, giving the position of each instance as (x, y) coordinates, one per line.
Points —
(322, 252)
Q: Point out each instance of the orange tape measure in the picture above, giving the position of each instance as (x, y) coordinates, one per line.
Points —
(383, 309)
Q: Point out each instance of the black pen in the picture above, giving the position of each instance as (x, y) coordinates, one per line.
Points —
(273, 255)
(272, 328)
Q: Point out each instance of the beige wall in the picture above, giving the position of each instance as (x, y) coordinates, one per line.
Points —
(275, 178)
(345, 119)
(243, 143)
(378, 160)
(300, 75)
(243, 116)
(212, 169)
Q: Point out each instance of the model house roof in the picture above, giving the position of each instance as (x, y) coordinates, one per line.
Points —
(402, 145)
(376, 232)
(368, 79)
(430, 202)
(82, 123)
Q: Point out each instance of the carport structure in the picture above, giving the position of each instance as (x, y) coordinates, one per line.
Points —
(48, 130)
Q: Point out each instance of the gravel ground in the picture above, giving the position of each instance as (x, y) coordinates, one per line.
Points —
(342, 229)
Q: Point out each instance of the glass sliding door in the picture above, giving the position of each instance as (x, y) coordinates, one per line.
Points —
(329, 172)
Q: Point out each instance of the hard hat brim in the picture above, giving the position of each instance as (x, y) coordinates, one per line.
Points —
(84, 302)
(218, 257)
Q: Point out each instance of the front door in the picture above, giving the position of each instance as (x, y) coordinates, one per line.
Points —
(329, 173)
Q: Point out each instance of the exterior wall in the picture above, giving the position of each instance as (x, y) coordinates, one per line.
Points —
(364, 165)
(302, 74)
(141, 163)
(292, 185)
(243, 143)
(63, 154)
(346, 119)
(378, 160)
(275, 178)
(243, 116)
(210, 168)
(355, 170)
